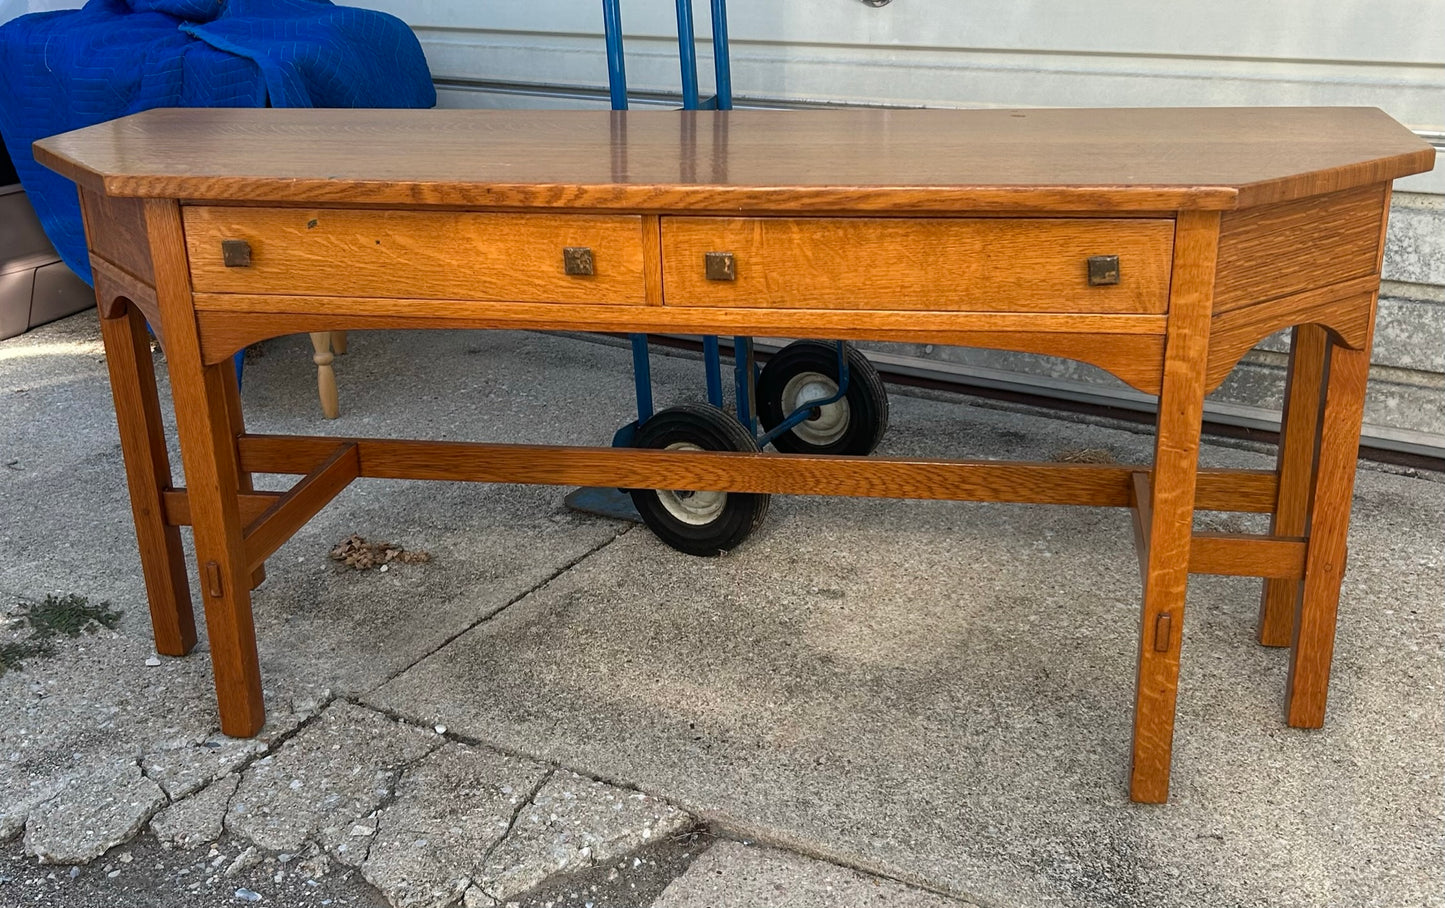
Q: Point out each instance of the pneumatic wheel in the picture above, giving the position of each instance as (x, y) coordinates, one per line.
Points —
(698, 523)
(806, 371)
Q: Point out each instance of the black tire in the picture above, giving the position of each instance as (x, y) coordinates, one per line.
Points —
(808, 370)
(698, 523)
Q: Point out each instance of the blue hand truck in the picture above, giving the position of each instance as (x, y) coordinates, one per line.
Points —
(811, 397)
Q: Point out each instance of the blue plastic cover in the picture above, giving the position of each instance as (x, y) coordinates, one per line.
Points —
(64, 70)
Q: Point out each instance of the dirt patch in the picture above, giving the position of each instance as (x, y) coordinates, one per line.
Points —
(356, 552)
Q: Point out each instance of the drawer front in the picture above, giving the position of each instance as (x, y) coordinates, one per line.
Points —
(416, 254)
(969, 264)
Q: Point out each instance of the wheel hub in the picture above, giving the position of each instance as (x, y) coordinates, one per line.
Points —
(694, 508)
(826, 423)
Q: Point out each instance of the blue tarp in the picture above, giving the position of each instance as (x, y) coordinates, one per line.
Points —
(64, 70)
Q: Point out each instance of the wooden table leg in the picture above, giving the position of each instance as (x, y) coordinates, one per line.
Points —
(237, 422)
(1299, 434)
(148, 473)
(208, 450)
(1171, 526)
(1331, 490)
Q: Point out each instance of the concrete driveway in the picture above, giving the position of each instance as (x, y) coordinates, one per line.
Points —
(910, 703)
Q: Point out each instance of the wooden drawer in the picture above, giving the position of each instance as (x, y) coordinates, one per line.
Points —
(416, 254)
(972, 264)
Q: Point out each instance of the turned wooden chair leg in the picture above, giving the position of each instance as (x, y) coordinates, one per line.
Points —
(338, 343)
(325, 375)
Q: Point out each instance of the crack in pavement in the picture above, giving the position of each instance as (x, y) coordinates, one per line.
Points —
(271, 747)
(392, 792)
(509, 603)
(511, 824)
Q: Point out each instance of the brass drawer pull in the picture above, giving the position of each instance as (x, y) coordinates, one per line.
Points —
(720, 266)
(578, 262)
(236, 253)
(1103, 270)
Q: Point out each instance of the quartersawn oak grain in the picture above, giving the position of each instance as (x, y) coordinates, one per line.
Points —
(420, 254)
(978, 264)
(745, 160)
(1284, 249)
(1129, 346)
(1094, 485)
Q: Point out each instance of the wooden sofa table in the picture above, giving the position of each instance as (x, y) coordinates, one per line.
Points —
(1160, 245)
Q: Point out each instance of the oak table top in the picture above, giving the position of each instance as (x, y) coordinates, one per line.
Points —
(743, 160)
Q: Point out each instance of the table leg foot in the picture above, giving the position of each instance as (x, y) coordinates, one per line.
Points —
(1168, 532)
(148, 474)
(1331, 490)
(206, 420)
(1299, 438)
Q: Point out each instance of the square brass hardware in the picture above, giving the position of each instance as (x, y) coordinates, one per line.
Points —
(577, 261)
(1103, 270)
(236, 253)
(720, 266)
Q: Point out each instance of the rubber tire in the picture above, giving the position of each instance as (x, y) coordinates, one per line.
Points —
(867, 398)
(710, 429)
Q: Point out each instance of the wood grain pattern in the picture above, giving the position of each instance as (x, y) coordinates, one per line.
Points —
(208, 449)
(1176, 463)
(148, 474)
(236, 420)
(1332, 488)
(1129, 346)
(743, 161)
(652, 259)
(416, 254)
(300, 503)
(970, 264)
(1247, 555)
(115, 289)
(1345, 310)
(115, 231)
(1299, 435)
(1291, 247)
(1345, 373)
(1095, 485)
(250, 504)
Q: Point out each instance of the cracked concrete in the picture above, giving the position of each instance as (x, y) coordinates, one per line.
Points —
(89, 714)
(93, 813)
(326, 781)
(570, 824)
(936, 692)
(452, 807)
(198, 819)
